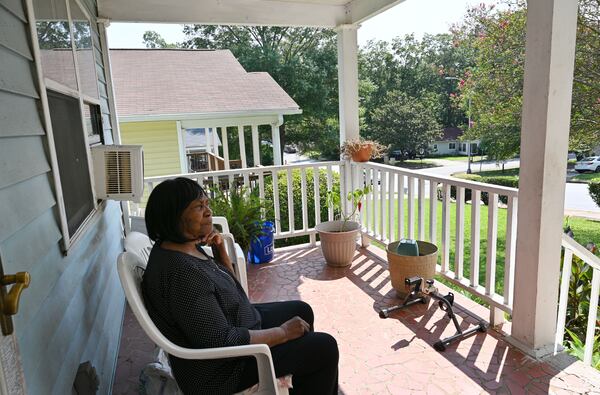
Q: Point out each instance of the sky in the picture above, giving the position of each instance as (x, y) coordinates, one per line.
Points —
(410, 16)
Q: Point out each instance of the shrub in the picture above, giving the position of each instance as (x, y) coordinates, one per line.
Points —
(297, 193)
(242, 209)
(511, 182)
(594, 189)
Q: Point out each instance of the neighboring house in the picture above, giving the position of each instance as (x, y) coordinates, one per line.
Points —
(171, 100)
(452, 144)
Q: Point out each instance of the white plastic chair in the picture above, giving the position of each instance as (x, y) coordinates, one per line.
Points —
(131, 278)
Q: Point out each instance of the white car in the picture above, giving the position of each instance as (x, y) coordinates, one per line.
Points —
(591, 163)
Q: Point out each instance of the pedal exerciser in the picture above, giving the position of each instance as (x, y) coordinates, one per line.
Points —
(445, 302)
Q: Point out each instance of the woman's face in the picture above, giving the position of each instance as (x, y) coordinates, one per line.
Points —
(196, 219)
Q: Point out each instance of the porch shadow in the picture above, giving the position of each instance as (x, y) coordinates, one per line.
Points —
(396, 355)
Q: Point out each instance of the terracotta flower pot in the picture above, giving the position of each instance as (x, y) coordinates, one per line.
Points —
(338, 247)
(363, 154)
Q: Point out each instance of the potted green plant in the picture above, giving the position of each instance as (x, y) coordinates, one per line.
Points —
(338, 237)
(360, 150)
(243, 209)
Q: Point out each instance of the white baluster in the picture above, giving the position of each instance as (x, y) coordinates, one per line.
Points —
(390, 213)
(400, 206)
(277, 209)
(329, 188)
(563, 299)
(445, 227)
(511, 242)
(460, 234)
(382, 205)
(304, 199)
(421, 216)
(433, 211)
(475, 235)
(411, 207)
(317, 195)
(290, 195)
(592, 317)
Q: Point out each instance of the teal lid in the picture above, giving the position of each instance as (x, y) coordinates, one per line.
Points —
(408, 247)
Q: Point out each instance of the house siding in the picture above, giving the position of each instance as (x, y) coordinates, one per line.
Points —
(160, 142)
(72, 311)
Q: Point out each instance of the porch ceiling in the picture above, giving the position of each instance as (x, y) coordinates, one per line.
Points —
(316, 13)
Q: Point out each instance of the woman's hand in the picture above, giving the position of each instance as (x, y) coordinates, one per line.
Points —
(294, 328)
(215, 240)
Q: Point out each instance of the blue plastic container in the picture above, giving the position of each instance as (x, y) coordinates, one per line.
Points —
(261, 249)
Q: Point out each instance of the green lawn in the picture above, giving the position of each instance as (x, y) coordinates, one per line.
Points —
(512, 174)
(587, 177)
(584, 230)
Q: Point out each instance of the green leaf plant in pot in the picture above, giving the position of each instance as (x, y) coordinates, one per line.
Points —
(243, 210)
(338, 238)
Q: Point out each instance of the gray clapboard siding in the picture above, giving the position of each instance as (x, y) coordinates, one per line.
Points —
(19, 116)
(26, 200)
(57, 319)
(21, 158)
(16, 7)
(13, 33)
(28, 249)
(76, 324)
(15, 74)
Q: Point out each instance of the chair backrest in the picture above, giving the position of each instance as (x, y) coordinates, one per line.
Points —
(222, 222)
(140, 244)
(131, 269)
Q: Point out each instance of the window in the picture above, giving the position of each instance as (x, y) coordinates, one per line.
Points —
(71, 152)
(66, 42)
(451, 145)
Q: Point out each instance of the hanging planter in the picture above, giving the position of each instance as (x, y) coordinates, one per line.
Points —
(360, 150)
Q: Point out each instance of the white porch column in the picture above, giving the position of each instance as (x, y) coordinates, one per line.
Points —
(277, 161)
(215, 137)
(548, 82)
(348, 81)
(255, 145)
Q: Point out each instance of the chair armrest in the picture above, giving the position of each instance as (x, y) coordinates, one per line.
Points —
(266, 372)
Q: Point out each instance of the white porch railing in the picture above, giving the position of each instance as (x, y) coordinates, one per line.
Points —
(400, 205)
(402, 200)
(256, 178)
(572, 248)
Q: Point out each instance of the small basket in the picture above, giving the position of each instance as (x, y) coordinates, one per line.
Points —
(403, 266)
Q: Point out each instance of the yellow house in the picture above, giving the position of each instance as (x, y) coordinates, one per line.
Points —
(177, 104)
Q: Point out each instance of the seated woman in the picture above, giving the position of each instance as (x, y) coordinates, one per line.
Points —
(197, 302)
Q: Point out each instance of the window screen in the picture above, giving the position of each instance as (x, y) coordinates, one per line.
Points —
(71, 152)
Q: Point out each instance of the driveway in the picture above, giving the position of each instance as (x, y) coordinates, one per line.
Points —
(577, 197)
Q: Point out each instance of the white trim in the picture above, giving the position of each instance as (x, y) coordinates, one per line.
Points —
(116, 131)
(181, 143)
(209, 116)
(81, 104)
(231, 12)
(48, 125)
(361, 10)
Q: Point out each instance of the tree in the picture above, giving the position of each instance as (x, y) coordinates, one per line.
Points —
(495, 83)
(405, 123)
(154, 40)
(416, 67)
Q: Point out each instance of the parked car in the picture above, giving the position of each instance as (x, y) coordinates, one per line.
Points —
(591, 163)
(290, 149)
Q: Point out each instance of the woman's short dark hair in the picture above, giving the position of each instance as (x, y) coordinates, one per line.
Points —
(165, 206)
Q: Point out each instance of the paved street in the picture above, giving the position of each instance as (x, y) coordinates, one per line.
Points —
(577, 197)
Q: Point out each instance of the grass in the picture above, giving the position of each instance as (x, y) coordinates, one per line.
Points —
(584, 230)
(506, 174)
(587, 177)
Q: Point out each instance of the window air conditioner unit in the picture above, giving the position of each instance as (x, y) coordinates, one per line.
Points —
(118, 172)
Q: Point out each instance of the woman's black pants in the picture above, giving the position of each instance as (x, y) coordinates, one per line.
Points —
(312, 359)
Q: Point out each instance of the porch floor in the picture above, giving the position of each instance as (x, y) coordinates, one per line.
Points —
(384, 356)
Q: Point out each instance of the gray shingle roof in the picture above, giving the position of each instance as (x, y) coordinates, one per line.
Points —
(167, 81)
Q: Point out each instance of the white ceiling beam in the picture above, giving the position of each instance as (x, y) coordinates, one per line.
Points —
(227, 12)
(361, 10)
